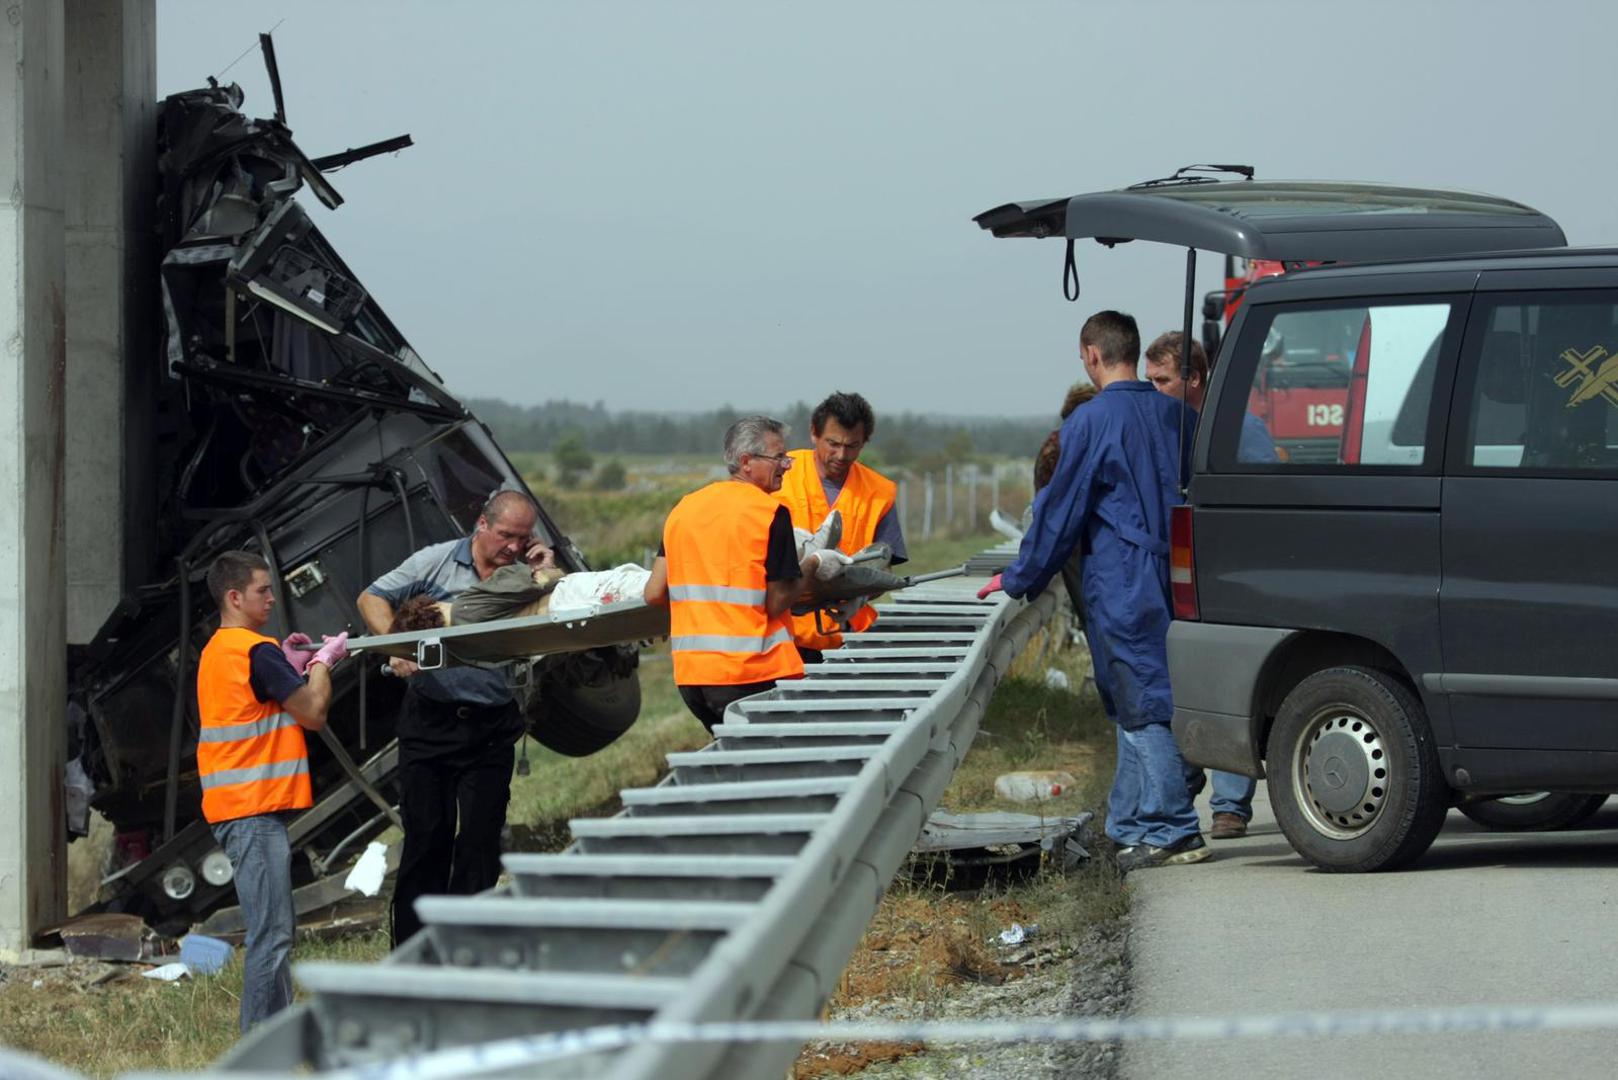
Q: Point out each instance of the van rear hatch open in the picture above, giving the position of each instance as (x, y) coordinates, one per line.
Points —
(1286, 220)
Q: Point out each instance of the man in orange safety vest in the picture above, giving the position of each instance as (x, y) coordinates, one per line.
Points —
(829, 476)
(255, 697)
(729, 572)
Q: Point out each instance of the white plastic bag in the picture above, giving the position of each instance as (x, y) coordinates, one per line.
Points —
(369, 870)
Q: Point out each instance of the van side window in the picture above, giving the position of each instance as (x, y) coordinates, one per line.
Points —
(1545, 397)
(1336, 386)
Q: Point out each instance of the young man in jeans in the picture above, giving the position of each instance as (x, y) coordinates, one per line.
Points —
(255, 697)
(1116, 478)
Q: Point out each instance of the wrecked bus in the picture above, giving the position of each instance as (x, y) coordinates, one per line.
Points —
(294, 420)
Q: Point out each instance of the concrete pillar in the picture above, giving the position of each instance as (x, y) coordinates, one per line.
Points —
(33, 361)
(110, 185)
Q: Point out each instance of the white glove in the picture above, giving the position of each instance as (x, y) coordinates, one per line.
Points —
(831, 563)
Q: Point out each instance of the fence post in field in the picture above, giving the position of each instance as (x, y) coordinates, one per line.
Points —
(949, 496)
(994, 486)
(904, 507)
(927, 509)
(972, 497)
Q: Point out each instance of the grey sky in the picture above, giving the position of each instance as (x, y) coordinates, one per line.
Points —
(682, 205)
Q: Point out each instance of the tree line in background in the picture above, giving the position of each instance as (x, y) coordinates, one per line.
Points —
(574, 432)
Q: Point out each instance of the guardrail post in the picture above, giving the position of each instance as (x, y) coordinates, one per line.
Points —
(927, 509)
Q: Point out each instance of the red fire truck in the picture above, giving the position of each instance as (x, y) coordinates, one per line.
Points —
(1301, 389)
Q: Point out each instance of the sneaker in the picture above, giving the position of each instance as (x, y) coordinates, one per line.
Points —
(1145, 856)
(1228, 827)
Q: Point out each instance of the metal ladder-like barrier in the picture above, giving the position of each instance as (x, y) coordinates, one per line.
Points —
(734, 889)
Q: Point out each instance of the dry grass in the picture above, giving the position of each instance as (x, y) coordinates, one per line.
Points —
(134, 1023)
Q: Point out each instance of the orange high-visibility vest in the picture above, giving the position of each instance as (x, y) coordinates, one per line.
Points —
(251, 757)
(865, 497)
(715, 541)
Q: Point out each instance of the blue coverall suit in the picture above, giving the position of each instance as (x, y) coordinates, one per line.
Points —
(1115, 482)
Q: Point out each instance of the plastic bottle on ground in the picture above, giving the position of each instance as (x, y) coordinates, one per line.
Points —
(1033, 785)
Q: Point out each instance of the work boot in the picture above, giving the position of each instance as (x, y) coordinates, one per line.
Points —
(1228, 826)
(1179, 853)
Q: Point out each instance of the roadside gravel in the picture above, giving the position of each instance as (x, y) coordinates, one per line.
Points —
(1092, 981)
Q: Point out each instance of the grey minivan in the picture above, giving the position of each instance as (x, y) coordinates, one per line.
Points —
(1423, 615)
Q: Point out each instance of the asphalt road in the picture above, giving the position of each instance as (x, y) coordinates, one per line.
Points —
(1482, 918)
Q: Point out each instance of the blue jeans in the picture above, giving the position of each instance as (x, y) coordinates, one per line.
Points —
(261, 858)
(1232, 792)
(1150, 801)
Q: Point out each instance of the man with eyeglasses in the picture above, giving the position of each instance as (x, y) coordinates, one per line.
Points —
(729, 572)
(829, 477)
(457, 725)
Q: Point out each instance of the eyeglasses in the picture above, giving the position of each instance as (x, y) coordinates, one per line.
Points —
(783, 460)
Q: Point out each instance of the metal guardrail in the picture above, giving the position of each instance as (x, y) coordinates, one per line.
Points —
(735, 889)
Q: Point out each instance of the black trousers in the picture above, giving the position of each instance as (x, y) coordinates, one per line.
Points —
(439, 789)
(708, 703)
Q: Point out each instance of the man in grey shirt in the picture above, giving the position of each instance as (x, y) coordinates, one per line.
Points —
(457, 725)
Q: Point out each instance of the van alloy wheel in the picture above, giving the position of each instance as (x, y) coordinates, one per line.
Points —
(1341, 770)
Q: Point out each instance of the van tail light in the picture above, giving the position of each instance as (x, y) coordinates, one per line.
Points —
(1182, 565)
(1354, 421)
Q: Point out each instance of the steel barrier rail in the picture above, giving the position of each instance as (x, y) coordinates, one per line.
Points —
(735, 889)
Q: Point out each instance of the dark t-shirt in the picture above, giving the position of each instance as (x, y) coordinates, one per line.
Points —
(270, 673)
(781, 557)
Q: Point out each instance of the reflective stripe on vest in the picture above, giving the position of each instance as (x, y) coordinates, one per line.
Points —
(251, 756)
(275, 770)
(716, 542)
(251, 730)
(722, 594)
(865, 497)
(728, 643)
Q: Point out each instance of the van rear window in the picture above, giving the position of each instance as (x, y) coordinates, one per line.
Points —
(1332, 385)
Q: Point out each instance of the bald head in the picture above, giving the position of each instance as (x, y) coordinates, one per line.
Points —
(503, 503)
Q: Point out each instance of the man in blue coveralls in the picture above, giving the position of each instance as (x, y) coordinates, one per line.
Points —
(1115, 482)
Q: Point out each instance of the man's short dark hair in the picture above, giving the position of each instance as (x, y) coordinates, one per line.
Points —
(849, 410)
(1115, 334)
(233, 570)
(1165, 349)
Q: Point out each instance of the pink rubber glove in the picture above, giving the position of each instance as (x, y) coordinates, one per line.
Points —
(334, 649)
(993, 586)
(298, 658)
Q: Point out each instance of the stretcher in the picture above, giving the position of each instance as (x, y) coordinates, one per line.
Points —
(588, 628)
(531, 635)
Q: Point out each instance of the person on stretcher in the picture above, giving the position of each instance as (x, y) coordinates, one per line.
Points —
(516, 591)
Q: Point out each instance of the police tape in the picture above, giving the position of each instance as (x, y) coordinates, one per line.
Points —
(465, 1062)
